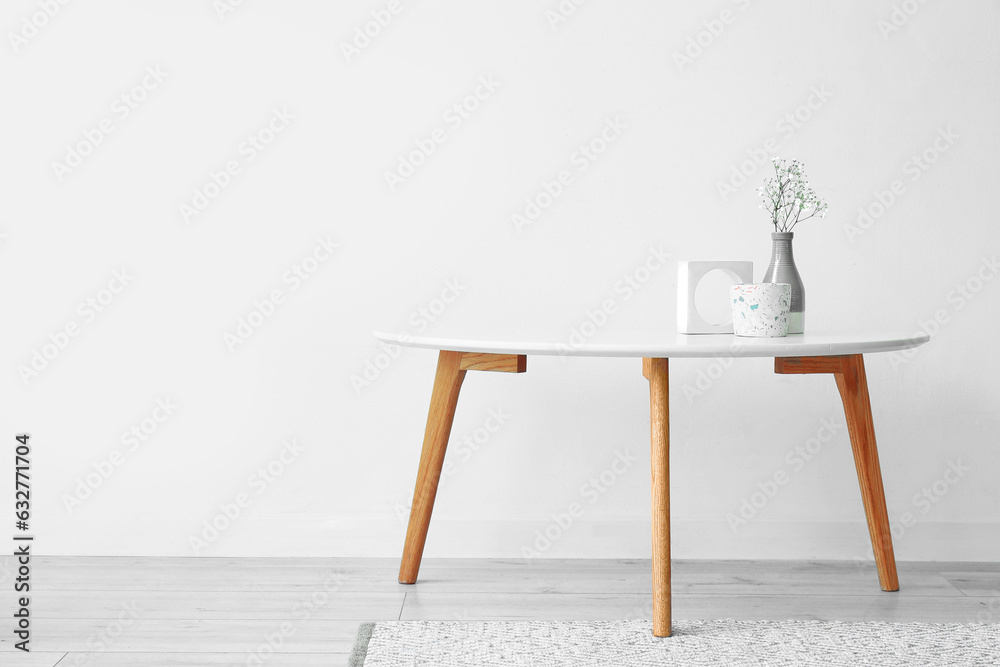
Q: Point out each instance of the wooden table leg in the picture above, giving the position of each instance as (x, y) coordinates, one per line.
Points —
(853, 386)
(656, 371)
(447, 384)
(451, 370)
(849, 371)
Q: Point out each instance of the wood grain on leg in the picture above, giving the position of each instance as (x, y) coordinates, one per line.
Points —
(853, 387)
(849, 371)
(808, 365)
(656, 371)
(447, 384)
(504, 363)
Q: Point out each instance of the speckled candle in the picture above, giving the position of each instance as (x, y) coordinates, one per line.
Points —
(761, 310)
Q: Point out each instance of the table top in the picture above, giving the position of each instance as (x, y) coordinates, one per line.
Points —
(667, 344)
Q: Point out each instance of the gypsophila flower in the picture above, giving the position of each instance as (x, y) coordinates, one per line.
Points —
(788, 197)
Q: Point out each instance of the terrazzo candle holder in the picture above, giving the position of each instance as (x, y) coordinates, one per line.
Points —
(761, 310)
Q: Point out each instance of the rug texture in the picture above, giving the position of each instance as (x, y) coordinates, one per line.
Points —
(712, 643)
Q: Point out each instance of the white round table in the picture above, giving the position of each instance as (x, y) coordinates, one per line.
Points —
(666, 345)
(837, 353)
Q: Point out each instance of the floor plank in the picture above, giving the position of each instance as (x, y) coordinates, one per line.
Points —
(32, 658)
(281, 563)
(179, 605)
(196, 636)
(975, 583)
(206, 660)
(809, 577)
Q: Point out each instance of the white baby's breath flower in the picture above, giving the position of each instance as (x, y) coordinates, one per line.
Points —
(789, 198)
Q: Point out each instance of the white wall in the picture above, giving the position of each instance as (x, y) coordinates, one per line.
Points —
(884, 96)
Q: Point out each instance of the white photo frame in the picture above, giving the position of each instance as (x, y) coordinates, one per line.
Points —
(689, 274)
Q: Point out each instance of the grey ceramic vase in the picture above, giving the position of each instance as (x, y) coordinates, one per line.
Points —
(782, 270)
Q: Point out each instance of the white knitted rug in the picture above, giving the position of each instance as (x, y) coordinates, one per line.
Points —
(711, 643)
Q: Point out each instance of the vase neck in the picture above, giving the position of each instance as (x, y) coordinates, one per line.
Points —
(781, 245)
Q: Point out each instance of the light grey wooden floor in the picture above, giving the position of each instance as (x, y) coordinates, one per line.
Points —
(299, 612)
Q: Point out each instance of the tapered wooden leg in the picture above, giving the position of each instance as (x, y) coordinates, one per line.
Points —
(447, 384)
(849, 371)
(853, 387)
(656, 371)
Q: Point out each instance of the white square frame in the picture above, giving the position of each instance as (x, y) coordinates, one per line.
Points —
(689, 274)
